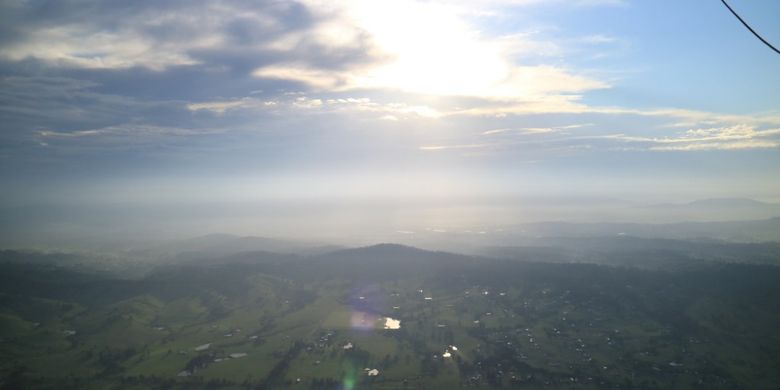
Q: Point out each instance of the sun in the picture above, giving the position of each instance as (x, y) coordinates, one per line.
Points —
(430, 50)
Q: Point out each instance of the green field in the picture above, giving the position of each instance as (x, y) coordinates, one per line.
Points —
(276, 325)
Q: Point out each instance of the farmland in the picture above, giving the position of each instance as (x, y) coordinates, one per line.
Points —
(321, 322)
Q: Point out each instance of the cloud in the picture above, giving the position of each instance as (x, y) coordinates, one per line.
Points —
(538, 130)
(496, 131)
(437, 52)
(597, 39)
(327, 80)
(449, 147)
(570, 104)
(720, 138)
(123, 130)
(316, 46)
(33, 102)
(523, 3)
(138, 72)
(535, 130)
(118, 136)
(221, 107)
(295, 103)
(739, 145)
(161, 35)
(545, 142)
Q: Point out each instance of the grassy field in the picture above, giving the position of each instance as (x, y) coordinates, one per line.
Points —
(537, 326)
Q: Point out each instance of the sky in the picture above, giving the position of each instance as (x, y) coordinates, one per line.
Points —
(197, 103)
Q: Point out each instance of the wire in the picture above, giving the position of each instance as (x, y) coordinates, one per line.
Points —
(748, 27)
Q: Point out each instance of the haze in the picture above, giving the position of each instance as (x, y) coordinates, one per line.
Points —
(326, 118)
(399, 194)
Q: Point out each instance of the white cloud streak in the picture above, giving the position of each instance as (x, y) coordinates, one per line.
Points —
(450, 147)
(720, 138)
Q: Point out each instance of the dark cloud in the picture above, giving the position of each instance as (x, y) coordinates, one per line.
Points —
(232, 34)
(141, 88)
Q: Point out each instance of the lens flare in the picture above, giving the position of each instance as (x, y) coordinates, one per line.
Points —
(349, 379)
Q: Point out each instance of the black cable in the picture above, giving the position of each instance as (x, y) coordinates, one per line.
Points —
(748, 27)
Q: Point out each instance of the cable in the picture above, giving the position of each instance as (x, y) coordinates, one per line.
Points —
(748, 27)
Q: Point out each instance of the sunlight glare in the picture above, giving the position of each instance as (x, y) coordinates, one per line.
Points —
(430, 50)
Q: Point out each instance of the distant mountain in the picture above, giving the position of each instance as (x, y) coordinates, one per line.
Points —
(384, 262)
(538, 234)
(714, 209)
(376, 262)
(218, 245)
(631, 244)
(729, 202)
(717, 204)
(738, 231)
(383, 250)
(659, 253)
